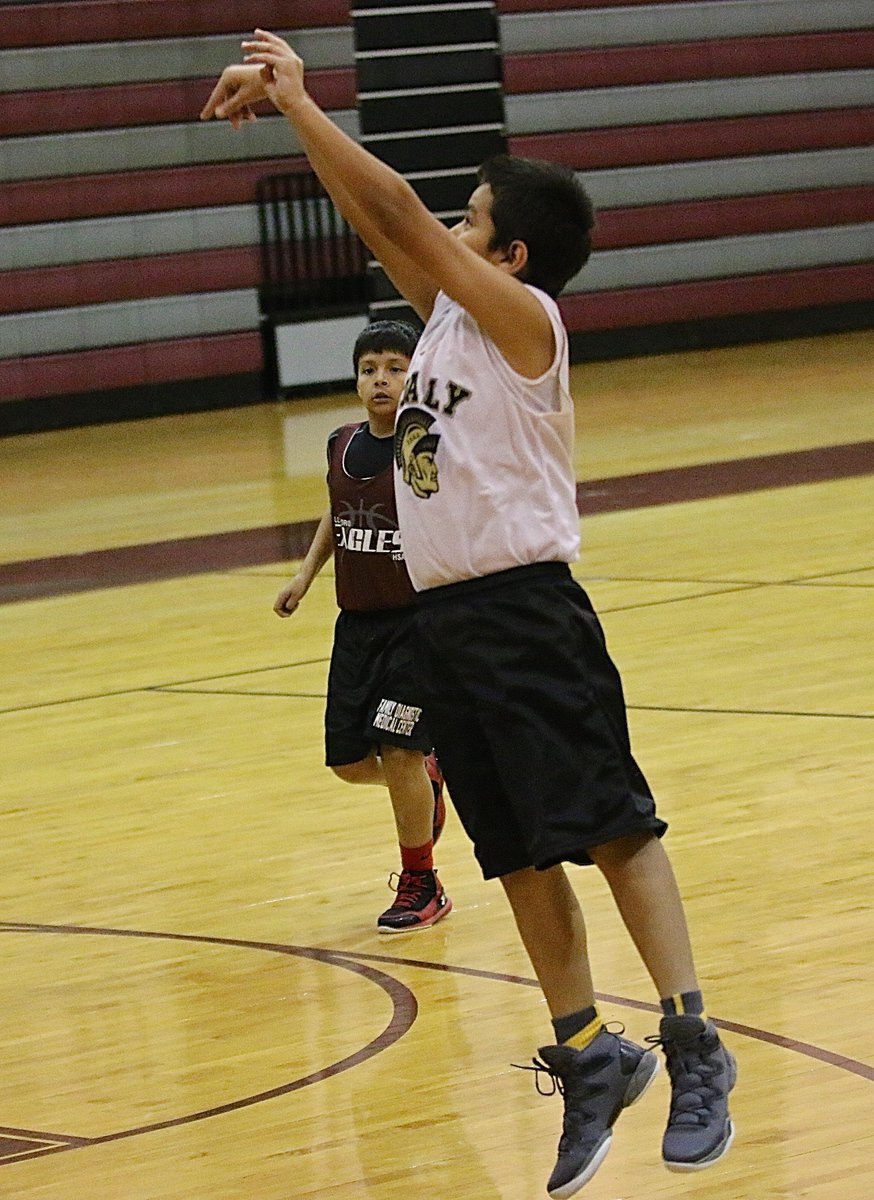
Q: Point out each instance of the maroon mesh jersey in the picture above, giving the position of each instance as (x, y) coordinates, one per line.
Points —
(368, 558)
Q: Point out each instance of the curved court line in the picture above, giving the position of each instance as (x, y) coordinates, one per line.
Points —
(842, 1061)
(404, 1012)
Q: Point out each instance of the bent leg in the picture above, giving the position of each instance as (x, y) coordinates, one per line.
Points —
(421, 899)
(412, 796)
(366, 770)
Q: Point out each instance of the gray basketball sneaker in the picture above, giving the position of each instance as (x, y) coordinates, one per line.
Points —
(596, 1083)
(700, 1130)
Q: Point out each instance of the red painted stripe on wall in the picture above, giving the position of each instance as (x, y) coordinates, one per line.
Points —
(156, 190)
(775, 292)
(30, 290)
(124, 20)
(734, 216)
(622, 66)
(629, 145)
(118, 106)
(109, 367)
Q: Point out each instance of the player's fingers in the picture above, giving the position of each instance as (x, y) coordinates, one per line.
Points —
(215, 98)
(260, 46)
(240, 99)
(264, 35)
(281, 50)
(238, 119)
(267, 59)
(283, 605)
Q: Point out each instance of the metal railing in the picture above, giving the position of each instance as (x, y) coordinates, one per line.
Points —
(313, 263)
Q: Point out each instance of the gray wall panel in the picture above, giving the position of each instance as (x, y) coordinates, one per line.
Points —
(97, 63)
(599, 108)
(108, 150)
(646, 266)
(94, 325)
(105, 238)
(639, 25)
(310, 352)
(629, 186)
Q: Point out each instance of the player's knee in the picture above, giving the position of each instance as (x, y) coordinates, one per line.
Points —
(624, 853)
(356, 772)
(397, 759)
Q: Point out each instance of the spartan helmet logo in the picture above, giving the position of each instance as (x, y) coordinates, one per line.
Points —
(414, 452)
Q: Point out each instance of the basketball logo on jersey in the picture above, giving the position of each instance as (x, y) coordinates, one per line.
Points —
(415, 447)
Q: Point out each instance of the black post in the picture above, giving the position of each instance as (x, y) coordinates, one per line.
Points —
(430, 102)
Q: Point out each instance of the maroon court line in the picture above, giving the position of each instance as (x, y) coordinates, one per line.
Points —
(854, 1066)
(404, 1012)
(31, 579)
(733, 477)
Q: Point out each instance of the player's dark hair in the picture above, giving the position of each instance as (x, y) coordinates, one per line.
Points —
(544, 205)
(380, 336)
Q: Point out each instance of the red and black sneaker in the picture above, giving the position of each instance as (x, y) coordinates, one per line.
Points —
(436, 777)
(420, 902)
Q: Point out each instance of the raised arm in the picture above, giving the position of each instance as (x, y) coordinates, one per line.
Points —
(281, 82)
(419, 254)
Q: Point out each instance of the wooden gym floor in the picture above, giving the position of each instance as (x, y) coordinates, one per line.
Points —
(196, 1005)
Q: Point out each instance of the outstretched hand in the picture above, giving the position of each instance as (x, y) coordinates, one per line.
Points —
(271, 71)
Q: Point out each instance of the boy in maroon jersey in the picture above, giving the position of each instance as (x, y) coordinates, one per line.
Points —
(374, 729)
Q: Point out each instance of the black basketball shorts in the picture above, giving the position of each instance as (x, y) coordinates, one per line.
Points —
(528, 717)
(373, 687)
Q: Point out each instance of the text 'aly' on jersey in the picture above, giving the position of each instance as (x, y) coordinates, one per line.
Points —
(483, 456)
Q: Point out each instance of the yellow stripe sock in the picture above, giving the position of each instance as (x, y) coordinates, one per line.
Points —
(586, 1036)
(685, 1004)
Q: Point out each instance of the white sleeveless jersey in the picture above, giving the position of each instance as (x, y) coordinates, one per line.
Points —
(484, 475)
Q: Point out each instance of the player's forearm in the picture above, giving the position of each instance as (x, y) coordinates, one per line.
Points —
(321, 549)
(375, 200)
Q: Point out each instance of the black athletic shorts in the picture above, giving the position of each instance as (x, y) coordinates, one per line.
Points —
(373, 688)
(528, 717)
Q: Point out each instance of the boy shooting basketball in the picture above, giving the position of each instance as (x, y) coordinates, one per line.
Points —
(524, 703)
